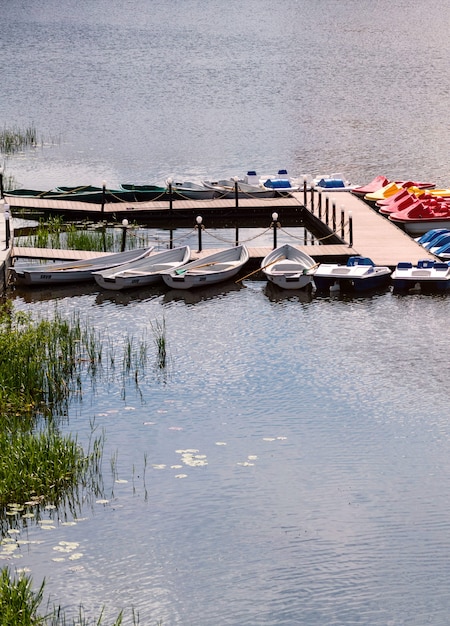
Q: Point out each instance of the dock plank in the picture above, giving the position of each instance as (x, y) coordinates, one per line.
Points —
(374, 235)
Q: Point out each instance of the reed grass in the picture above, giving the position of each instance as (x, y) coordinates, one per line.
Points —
(45, 468)
(159, 335)
(38, 362)
(15, 139)
(20, 605)
(55, 233)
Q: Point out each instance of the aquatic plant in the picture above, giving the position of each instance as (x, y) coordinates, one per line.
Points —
(159, 334)
(15, 139)
(20, 605)
(38, 362)
(44, 467)
(59, 235)
(18, 602)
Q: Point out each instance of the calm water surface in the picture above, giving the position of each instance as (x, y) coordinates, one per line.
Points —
(320, 494)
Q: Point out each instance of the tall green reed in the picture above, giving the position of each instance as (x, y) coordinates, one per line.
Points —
(16, 139)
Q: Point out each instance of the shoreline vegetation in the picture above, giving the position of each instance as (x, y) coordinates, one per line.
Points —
(43, 364)
(55, 233)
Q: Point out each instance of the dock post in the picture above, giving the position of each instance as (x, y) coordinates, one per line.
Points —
(275, 224)
(124, 234)
(171, 239)
(236, 192)
(312, 200)
(319, 204)
(169, 185)
(2, 191)
(236, 238)
(333, 214)
(7, 225)
(103, 196)
(304, 190)
(350, 230)
(327, 206)
(342, 221)
(199, 228)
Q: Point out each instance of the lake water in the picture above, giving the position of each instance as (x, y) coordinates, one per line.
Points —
(291, 465)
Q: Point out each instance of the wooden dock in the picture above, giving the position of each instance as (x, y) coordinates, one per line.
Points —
(372, 234)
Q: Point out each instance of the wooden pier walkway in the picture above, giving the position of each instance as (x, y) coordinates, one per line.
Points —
(372, 234)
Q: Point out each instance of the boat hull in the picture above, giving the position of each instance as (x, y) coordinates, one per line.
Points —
(428, 276)
(288, 267)
(360, 274)
(210, 270)
(143, 272)
(73, 272)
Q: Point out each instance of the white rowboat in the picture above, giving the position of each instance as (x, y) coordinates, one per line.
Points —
(143, 272)
(211, 269)
(288, 267)
(74, 271)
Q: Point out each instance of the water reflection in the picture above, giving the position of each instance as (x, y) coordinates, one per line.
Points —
(275, 294)
(55, 292)
(194, 296)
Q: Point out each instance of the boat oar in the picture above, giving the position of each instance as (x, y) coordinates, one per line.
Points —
(183, 270)
(279, 258)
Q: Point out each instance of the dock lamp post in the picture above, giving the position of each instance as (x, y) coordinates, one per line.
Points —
(350, 229)
(342, 220)
(124, 234)
(7, 225)
(199, 227)
(103, 196)
(305, 187)
(275, 225)
(169, 189)
(236, 192)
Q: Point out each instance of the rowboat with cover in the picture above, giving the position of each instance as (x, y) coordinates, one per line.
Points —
(288, 267)
(214, 268)
(144, 271)
(74, 271)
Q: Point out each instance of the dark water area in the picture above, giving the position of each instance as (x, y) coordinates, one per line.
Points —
(290, 465)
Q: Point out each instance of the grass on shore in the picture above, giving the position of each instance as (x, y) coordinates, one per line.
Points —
(20, 605)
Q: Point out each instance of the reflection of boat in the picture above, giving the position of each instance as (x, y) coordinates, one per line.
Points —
(73, 271)
(428, 275)
(288, 267)
(55, 291)
(214, 268)
(143, 271)
(359, 274)
(194, 296)
(281, 295)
